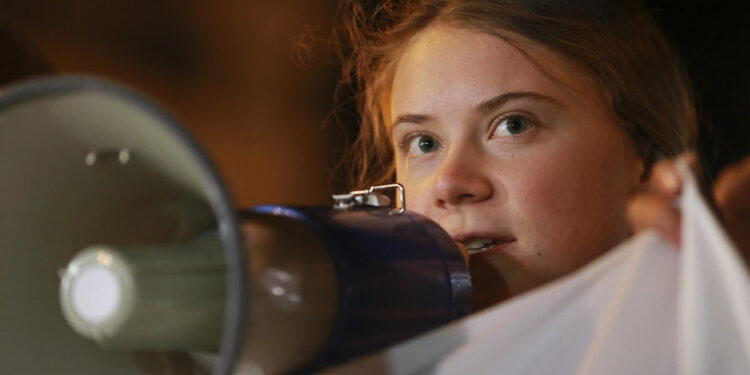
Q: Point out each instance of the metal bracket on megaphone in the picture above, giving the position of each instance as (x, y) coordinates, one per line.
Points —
(370, 197)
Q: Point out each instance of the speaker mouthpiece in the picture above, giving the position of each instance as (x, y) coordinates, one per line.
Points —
(95, 293)
(168, 297)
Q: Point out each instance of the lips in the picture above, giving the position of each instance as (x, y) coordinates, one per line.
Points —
(477, 242)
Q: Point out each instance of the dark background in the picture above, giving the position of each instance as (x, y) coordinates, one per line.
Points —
(712, 37)
(237, 75)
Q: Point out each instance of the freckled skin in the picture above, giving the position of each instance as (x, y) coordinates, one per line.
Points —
(559, 189)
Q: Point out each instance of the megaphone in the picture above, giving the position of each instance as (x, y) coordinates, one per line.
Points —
(121, 252)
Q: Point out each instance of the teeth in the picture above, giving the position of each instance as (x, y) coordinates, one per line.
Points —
(479, 245)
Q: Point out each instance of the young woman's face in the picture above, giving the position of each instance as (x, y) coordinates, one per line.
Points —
(515, 155)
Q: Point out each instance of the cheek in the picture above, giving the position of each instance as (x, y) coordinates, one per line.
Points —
(416, 192)
(539, 200)
(570, 207)
(418, 180)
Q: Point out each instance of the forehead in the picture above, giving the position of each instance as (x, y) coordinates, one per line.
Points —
(445, 67)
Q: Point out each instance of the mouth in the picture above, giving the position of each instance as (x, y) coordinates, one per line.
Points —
(477, 243)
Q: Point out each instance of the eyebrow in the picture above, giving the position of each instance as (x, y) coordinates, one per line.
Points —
(483, 107)
(500, 100)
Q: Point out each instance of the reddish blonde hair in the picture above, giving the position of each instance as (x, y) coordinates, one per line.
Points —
(616, 42)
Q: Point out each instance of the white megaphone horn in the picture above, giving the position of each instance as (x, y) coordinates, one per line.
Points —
(121, 253)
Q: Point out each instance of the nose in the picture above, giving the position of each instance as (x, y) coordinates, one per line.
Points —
(461, 179)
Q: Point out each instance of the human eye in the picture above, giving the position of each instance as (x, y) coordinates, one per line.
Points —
(420, 144)
(512, 126)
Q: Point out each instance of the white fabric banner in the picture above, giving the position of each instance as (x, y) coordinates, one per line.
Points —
(643, 308)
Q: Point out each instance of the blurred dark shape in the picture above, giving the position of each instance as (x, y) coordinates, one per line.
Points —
(19, 58)
(157, 35)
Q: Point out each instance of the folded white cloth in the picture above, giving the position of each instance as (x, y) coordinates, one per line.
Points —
(643, 308)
